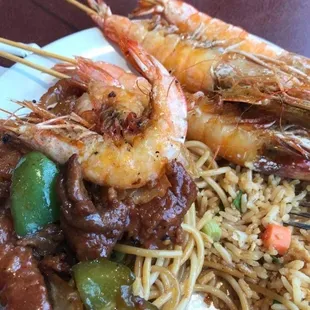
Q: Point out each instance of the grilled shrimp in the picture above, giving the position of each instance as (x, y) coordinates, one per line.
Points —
(244, 136)
(207, 29)
(107, 161)
(249, 137)
(224, 60)
(227, 63)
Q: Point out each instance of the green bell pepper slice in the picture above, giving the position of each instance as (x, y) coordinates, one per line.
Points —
(34, 202)
(104, 284)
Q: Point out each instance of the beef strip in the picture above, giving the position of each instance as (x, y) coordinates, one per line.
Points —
(63, 296)
(91, 230)
(93, 225)
(21, 283)
(10, 153)
(153, 222)
(49, 248)
(44, 242)
(7, 234)
(57, 263)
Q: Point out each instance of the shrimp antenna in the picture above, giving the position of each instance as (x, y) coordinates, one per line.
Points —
(11, 115)
(35, 108)
(142, 90)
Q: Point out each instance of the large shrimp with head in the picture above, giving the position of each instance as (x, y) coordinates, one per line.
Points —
(205, 28)
(104, 159)
(208, 55)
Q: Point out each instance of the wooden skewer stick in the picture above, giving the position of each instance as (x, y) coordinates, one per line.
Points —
(34, 66)
(83, 7)
(37, 51)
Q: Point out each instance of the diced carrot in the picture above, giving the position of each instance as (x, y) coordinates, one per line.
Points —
(278, 237)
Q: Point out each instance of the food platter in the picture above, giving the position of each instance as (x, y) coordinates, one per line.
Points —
(23, 83)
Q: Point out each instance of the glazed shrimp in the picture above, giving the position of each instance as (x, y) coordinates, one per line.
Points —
(250, 138)
(205, 28)
(108, 162)
(219, 65)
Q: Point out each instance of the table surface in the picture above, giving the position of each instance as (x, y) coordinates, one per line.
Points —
(284, 22)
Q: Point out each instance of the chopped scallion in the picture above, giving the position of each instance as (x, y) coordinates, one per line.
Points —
(117, 257)
(275, 259)
(213, 230)
(237, 201)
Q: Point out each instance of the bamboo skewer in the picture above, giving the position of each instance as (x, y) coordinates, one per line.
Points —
(82, 6)
(34, 66)
(37, 51)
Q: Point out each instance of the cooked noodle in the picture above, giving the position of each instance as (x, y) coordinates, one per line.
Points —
(218, 293)
(169, 277)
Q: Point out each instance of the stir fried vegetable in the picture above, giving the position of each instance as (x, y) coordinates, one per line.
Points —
(33, 195)
(237, 201)
(117, 257)
(278, 237)
(62, 295)
(213, 230)
(103, 284)
(99, 282)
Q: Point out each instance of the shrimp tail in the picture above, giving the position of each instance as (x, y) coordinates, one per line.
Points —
(65, 68)
(143, 62)
(102, 18)
(131, 50)
(86, 71)
(146, 7)
(102, 12)
(100, 7)
(296, 143)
